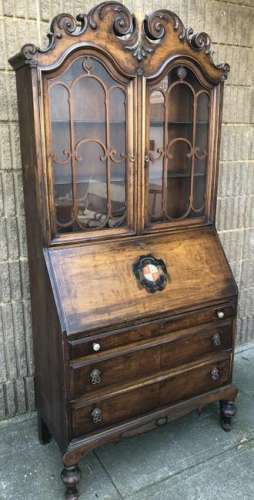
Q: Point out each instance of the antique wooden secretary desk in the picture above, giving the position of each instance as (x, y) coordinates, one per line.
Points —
(133, 301)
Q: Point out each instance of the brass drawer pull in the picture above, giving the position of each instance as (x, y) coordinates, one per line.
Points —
(95, 376)
(215, 374)
(220, 314)
(96, 415)
(216, 340)
(96, 347)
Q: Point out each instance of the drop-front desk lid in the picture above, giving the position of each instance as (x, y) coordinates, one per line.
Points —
(106, 284)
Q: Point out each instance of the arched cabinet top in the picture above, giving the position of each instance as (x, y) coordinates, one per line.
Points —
(136, 47)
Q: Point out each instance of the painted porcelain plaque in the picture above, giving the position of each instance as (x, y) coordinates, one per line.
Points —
(151, 273)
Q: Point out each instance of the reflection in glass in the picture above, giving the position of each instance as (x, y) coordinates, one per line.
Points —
(179, 179)
(117, 134)
(91, 182)
(60, 130)
(88, 147)
(202, 130)
(157, 120)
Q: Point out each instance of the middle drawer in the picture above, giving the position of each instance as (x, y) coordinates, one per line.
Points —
(146, 358)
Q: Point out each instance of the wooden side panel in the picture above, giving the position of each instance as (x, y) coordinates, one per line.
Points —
(97, 287)
(47, 336)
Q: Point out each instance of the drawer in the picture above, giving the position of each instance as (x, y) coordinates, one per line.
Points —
(125, 336)
(147, 358)
(125, 402)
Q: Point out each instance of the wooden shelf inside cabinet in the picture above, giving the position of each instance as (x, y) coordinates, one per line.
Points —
(180, 175)
(186, 123)
(183, 123)
(128, 275)
(85, 123)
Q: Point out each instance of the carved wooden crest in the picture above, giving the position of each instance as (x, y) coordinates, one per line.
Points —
(131, 43)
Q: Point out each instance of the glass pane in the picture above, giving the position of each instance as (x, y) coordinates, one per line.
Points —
(91, 182)
(88, 147)
(157, 120)
(117, 134)
(178, 155)
(179, 179)
(180, 130)
(60, 153)
(180, 105)
(201, 153)
(88, 119)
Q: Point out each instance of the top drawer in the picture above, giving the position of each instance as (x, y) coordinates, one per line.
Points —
(116, 338)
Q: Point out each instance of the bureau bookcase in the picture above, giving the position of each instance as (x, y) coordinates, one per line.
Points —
(133, 301)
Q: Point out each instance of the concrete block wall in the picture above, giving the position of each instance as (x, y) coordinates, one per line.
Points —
(230, 25)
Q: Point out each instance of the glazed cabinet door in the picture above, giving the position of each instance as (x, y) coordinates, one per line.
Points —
(90, 146)
(179, 153)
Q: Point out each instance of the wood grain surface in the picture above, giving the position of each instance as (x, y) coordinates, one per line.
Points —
(96, 285)
(139, 359)
(148, 394)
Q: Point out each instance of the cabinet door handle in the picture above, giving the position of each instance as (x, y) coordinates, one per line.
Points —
(95, 376)
(215, 374)
(131, 157)
(216, 340)
(96, 415)
(146, 160)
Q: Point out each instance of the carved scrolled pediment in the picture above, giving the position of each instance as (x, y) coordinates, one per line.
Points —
(140, 46)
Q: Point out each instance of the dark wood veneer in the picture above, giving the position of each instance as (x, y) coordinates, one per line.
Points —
(83, 345)
(147, 394)
(111, 359)
(144, 358)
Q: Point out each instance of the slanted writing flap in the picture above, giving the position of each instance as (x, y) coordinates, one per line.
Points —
(95, 285)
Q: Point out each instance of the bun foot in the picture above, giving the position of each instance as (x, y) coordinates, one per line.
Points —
(71, 477)
(227, 412)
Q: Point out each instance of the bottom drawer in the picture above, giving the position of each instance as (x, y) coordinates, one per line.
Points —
(127, 402)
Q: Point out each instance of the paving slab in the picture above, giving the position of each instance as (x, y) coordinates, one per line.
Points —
(228, 476)
(137, 462)
(244, 371)
(30, 471)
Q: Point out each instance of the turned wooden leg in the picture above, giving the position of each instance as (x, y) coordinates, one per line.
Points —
(71, 477)
(227, 411)
(44, 434)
